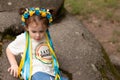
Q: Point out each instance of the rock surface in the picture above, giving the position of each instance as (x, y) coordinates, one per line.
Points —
(77, 50)
(13, 5)
(4, 75)
(81, 57)
(9, 10)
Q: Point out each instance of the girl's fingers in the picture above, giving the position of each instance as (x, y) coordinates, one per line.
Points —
(15, 73)
(11, 71)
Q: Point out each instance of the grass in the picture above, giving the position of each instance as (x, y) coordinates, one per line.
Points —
(114, 40)
(115, 37)
(85, 8)
(110, 67)
(116, 32)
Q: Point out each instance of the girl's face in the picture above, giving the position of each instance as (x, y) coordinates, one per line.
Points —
(36, 31)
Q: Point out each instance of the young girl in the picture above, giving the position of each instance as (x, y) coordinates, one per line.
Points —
(38, 60)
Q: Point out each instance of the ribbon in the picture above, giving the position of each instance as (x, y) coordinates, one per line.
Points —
(55, 62)
(25, 66)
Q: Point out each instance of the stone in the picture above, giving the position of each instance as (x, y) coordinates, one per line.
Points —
(4, 63)
(10, 17)
(14, 5)
(7, 19)
(80, 55)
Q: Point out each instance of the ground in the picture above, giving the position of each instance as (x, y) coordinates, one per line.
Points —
(106, 31)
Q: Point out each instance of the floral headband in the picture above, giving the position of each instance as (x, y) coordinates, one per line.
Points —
(37, 11)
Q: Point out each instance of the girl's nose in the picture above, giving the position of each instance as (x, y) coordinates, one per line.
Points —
(37, 34)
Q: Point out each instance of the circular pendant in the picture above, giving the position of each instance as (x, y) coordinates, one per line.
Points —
(43, 53)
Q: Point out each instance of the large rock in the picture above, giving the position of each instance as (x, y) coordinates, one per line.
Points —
(13, 5)
(9, 10)
(4, 65)
(80, 55)
(7, 19)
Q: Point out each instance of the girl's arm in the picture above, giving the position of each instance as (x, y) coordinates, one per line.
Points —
(14, 66)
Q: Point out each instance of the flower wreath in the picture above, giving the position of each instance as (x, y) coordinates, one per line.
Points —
(37, 11)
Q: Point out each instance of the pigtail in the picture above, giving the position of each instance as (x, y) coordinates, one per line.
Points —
(21, 11)
(53, 13)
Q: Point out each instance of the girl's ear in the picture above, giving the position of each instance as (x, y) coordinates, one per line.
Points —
(21, 11)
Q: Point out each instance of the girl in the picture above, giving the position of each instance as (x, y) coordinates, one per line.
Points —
(38, 60)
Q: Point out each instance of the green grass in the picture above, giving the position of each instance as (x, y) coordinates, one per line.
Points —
(110, 67)
(79, 6)
(84, 8)
(115, 37)
(114, 40)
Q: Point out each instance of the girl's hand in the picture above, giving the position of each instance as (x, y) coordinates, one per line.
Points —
(13, 70)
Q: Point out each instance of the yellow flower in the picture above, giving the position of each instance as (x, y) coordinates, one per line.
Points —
(31, 13)
(37, 9)
(43, 14)
(23, 19)
(50, 20)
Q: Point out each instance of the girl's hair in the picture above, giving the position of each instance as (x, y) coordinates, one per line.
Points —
(34, 18)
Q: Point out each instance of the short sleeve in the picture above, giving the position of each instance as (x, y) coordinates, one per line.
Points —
(17, 46)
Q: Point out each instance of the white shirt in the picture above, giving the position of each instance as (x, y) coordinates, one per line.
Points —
(17, 47)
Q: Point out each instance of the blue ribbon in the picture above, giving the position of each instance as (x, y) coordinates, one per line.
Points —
(26, 66)
(56, 67)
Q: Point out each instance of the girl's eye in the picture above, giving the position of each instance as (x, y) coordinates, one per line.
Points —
(41, 31)
(36, 31)
(33, 31)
